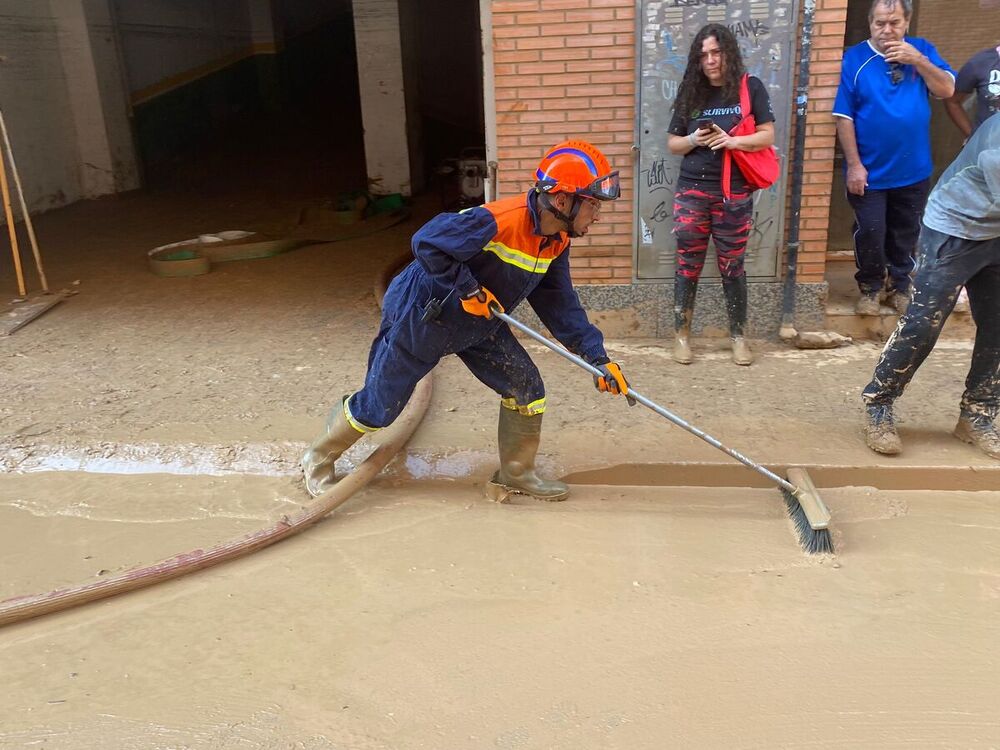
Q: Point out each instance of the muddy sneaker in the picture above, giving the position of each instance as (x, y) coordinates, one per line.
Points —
(880, 432)
(981, 432)
(900, 301)
(868, 304)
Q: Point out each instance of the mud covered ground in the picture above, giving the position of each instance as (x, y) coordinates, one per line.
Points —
(421, 616)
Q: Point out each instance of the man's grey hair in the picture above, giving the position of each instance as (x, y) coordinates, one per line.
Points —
(906, 5)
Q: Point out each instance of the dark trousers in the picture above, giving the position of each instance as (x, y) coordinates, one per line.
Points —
(886, 226)
(944, 265)
(407, 348)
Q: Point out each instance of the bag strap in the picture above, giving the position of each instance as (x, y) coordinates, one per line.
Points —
(727, 157)
(727, 175)
(745, 108)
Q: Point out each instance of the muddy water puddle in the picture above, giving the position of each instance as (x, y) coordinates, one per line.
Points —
(422, 616)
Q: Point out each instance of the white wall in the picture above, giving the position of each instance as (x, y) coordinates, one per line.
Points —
(383, 105)
(62, 98)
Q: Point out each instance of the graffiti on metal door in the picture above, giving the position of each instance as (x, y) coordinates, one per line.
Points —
(765, 31)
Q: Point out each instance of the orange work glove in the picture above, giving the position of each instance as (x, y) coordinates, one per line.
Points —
(613, 381)
(478, 303)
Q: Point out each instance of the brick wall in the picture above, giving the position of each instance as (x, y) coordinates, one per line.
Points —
(824, 77)
(566, 68)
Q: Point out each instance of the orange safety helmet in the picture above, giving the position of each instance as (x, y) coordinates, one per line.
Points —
(578, 168)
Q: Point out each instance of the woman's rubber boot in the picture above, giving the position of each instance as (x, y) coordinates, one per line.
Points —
(735, 291)
(685, 290)
(318, 461)
(518, 436)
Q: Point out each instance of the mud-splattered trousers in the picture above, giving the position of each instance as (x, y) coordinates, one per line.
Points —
(700, 215)
(500, 247)
(886, 226)
(944, 265)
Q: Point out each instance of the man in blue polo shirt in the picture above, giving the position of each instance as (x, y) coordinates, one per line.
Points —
(883, 124)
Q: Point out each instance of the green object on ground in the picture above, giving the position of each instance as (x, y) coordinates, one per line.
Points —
(384, 204)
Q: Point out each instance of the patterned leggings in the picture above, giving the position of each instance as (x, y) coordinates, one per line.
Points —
(699, 215)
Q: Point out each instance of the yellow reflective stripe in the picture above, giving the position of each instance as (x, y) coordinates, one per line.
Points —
(516, 258)
(360, 427)
(530, 410)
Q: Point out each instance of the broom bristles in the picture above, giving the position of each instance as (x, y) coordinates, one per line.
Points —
(813, 541)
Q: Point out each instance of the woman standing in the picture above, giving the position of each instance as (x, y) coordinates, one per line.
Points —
(707, 108)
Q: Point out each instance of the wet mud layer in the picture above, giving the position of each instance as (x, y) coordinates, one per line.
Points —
(422, 616)
(419, 615)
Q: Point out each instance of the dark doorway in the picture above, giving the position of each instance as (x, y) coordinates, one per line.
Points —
(443, 59)
(282, 116)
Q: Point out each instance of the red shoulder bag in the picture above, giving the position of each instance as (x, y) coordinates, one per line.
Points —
(761, 169)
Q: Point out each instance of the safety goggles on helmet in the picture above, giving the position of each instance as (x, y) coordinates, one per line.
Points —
(607, 188)
(578, 168)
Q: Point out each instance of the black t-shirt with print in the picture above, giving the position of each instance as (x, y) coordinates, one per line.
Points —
(702, 167)
(981, 75)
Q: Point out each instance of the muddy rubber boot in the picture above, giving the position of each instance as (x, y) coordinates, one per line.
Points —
(317, 462)
(735, 292)
(518, 436)
(880, 430)
(741, 352)
(685, 290)
(980, 431)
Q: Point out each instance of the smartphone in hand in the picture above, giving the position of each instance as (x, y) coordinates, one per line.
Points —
(705, 123)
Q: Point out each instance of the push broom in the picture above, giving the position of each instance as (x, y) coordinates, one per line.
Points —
(805, 507)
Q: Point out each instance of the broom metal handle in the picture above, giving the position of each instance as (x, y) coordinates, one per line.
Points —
(579, 362)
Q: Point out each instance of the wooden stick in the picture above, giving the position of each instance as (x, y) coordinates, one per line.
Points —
(24, 207)
(10, 227)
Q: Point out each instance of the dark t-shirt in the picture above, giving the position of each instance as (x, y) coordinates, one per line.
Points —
(981, 76)
(702, 167)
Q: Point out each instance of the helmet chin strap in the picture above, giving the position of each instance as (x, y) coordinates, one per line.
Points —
(568, 220)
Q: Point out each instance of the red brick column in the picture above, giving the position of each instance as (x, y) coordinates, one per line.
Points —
(566, 69)
(821, 135)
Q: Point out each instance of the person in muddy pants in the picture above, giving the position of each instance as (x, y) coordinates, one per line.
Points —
(501, 253)
(706, 109)
(979, 76)
(959, 245)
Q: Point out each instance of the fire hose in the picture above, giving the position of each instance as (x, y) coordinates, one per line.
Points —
(390, 442)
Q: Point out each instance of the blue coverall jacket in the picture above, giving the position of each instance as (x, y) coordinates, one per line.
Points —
(498, 246)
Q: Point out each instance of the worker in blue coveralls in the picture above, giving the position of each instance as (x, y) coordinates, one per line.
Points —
(883, 120)
(501, 253)
(959, 246)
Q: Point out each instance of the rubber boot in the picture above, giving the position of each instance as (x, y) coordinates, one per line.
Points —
(318, 461)
(735, 291)
(685, 290)
(518, 436)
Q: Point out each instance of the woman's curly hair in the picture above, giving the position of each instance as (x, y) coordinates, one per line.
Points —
(695, 90)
